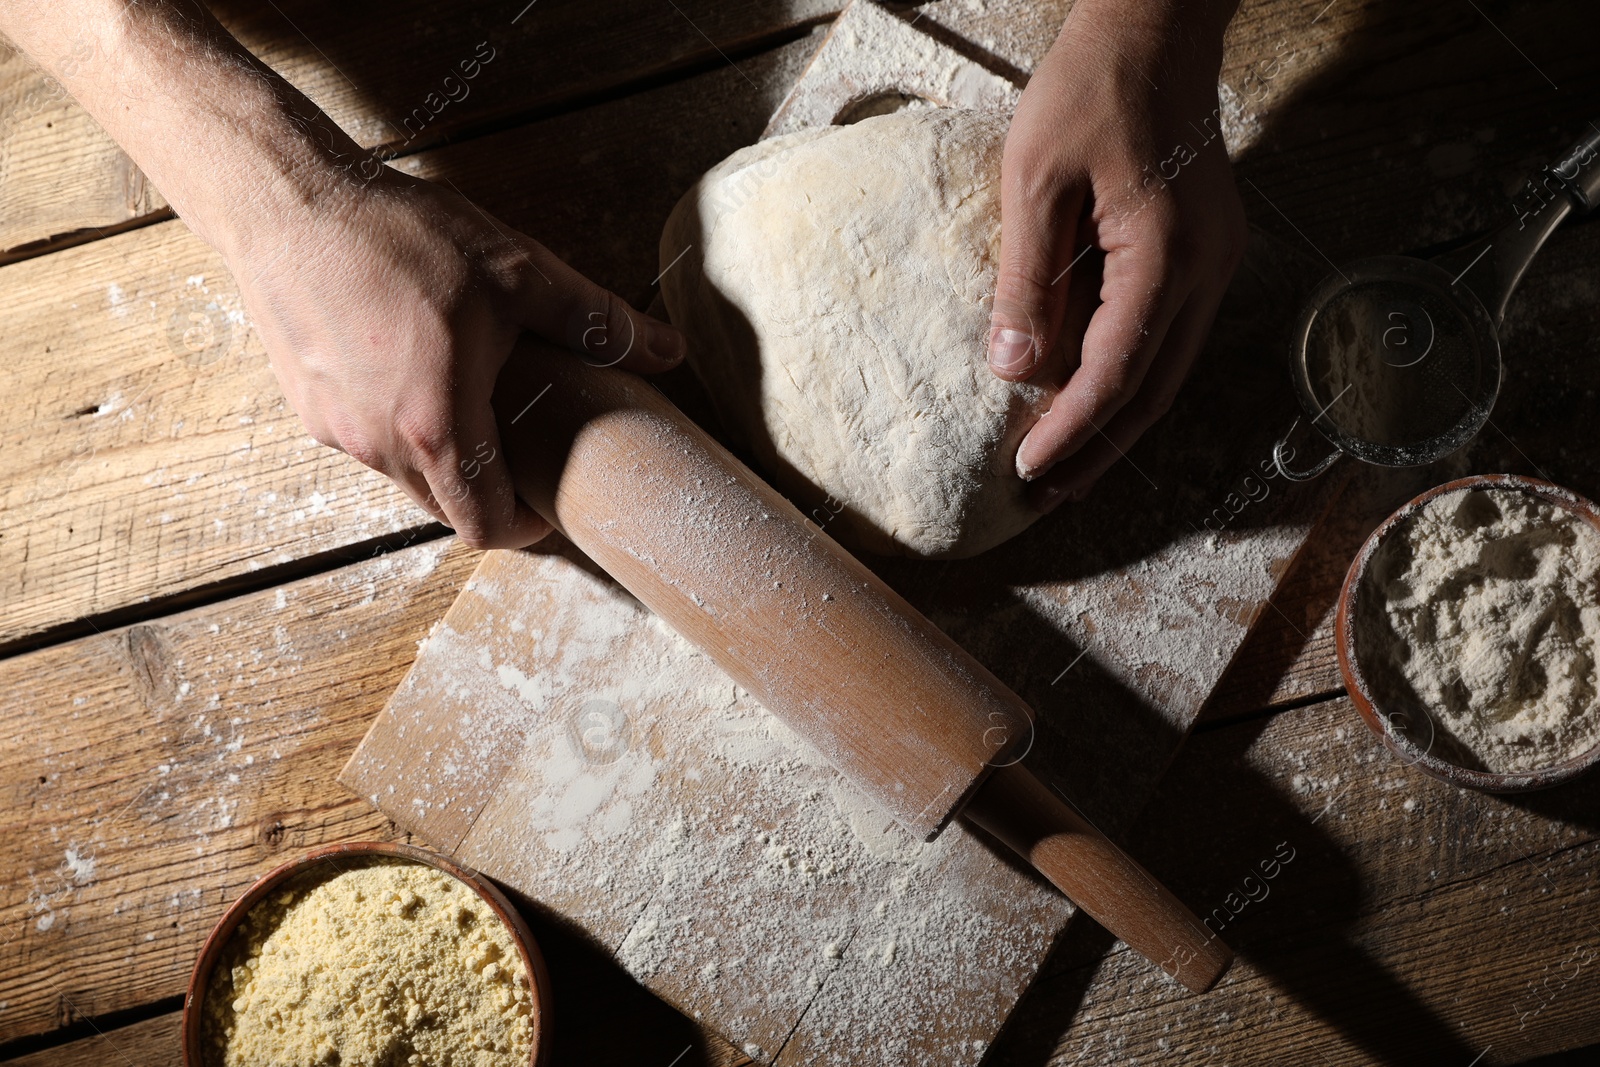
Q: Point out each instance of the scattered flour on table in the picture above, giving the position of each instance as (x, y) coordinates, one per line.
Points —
(721, 859)
(1483, 609)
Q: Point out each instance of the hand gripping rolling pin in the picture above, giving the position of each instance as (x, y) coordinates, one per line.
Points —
(820, 641)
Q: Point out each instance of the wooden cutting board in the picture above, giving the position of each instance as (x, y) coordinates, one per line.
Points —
(558, 737)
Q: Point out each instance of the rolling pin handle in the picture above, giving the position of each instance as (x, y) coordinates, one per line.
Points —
(1017, 808)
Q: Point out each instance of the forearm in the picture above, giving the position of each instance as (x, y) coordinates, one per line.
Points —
(1181, 30)
(219, 133)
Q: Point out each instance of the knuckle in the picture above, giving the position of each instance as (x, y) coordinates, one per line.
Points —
(361, 448)
(1019, 298)
(602, 328)
(1185, 252)
(1113, 385)
(428, 437)
(472, 531)
(1152, 403)
(474, 539)
(354, 441)
(1028, 170)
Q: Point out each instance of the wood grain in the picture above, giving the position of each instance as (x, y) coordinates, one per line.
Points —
(148, 774)
(563, 739)
(379, 70)
(589, 1035)
(1109, 581)
(368, 65)
(61, 174)
(151, 1043)
(1461, 103)
(1362, 190)
(153, 452)
(142, 417)
(1380, 916)
(736, 569)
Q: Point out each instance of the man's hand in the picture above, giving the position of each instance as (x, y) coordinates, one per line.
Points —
(388, 305)
(1120, 229)
(388, 313)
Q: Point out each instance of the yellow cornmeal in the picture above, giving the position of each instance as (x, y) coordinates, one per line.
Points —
(385, 964)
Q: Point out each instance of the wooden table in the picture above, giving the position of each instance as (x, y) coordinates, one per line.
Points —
(203, 609)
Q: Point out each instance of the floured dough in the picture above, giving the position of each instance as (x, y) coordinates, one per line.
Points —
(836, 298)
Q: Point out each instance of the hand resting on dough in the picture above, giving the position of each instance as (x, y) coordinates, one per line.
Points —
(1121, 227)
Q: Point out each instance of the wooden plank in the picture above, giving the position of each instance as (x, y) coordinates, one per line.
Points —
(870, 53)
(151, 452)
(604, 216)
(361, 62)
(588, 1001)
(586, 1005)
(60, 172)
(566, 741)
(1374, 127)
(151, 1043)
(1446, 108)
(148, 774)
(1380, 916)
(1289, 656)
(1294, 969)
(1271, 48)
(379, 70)
(1127, 594)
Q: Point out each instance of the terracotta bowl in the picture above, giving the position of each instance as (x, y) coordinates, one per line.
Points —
(1392, 725)
(211, 951)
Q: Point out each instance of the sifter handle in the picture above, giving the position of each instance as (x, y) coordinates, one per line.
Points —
(1494, 264)
(1579, 170)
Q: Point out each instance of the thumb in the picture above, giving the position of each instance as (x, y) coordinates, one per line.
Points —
(564, 307)
(1036, 232)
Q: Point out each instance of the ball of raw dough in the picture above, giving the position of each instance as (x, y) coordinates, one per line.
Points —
(836, 295)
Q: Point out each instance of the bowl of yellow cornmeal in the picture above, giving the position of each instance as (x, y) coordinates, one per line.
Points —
(368, 955)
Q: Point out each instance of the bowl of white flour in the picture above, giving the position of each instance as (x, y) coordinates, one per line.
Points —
(1468, 633)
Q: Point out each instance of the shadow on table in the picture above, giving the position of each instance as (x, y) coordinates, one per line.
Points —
(1406, 198)
(1409, 196)
(602, 1016)
(1212, 828)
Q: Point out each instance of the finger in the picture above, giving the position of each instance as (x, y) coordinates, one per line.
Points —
(1073, 478)
(410, 481)
(1124, 335)
(1083, 297)
(564, 307)
(1037, 225)
(471, 481)
(415, 486)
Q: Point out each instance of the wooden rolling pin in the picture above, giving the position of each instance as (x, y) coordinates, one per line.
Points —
(818, 639)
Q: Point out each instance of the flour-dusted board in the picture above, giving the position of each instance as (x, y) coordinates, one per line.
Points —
(558, 737)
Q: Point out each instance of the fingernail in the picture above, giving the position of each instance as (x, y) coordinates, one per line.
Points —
(1030, 472)
(665, 343)
(1010, 351)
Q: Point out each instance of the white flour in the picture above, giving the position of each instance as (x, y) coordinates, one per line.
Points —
(721, 859)
(1482, 608)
